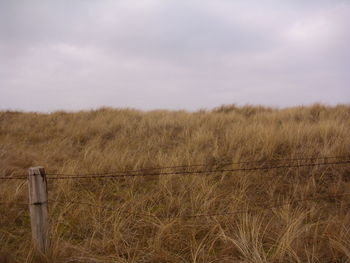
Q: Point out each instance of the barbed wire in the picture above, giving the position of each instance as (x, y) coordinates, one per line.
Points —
(102, 176)
(97, 206)
(268, 207)
(127, 172)
(13, 203)
(276, 205)
(13, 178)
(205, 165)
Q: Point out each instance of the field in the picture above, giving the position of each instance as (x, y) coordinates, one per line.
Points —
(149, 217)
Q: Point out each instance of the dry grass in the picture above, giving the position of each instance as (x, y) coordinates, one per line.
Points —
(108, 139)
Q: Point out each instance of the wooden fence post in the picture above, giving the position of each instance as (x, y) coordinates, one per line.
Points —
(37, 186)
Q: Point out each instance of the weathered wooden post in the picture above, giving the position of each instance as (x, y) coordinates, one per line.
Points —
(37, 186)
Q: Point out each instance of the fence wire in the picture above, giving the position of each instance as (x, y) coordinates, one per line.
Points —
(208, 165)
(212, 171)
(329, 198)
(145, 171)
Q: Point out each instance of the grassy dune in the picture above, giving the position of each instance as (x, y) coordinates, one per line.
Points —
(115, 140)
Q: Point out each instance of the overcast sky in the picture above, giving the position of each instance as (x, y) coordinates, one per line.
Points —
(175, 54)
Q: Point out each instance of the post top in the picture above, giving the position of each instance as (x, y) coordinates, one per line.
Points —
(36, 168)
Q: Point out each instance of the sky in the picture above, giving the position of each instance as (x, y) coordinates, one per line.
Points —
(179, 54)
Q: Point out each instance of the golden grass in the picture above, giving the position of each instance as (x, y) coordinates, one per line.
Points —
(110, 140)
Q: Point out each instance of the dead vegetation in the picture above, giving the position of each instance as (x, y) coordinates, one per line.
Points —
(111, 140)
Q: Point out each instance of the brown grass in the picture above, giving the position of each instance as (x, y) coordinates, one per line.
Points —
(111, 139)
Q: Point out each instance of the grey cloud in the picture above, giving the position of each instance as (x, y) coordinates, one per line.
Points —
(172, 54)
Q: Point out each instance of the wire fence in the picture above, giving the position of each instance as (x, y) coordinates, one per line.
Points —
(215, 168)
(103, 176)
(258, 208)
(188, 169)
(215, 164)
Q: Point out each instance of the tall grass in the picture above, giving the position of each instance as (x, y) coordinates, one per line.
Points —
(125, 139)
